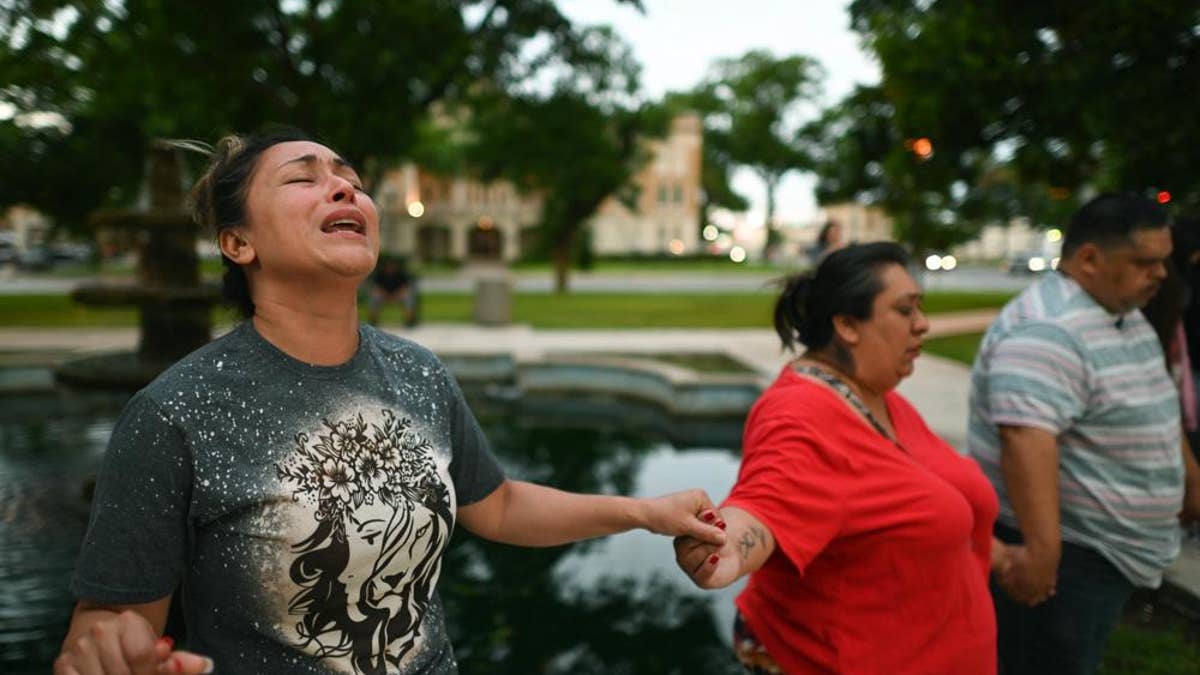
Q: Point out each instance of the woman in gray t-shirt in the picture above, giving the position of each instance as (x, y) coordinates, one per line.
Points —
(297, 480)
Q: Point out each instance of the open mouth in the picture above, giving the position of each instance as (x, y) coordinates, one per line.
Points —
(344, 225)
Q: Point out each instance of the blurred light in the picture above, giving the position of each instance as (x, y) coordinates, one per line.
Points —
(676, 246)
(711, 232)
(933, 263)
(1054, 263)
(1037, 264)
(486, 223)
(949, 262)
(416, 209)
(737, 254)
(922, 148)
(1053, 234)
(1163, 196)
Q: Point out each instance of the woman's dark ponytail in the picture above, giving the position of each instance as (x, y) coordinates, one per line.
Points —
(791, 310)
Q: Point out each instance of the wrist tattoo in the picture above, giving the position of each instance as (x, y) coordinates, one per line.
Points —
(753, 535)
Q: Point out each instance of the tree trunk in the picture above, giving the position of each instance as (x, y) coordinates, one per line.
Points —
(769, 226)
(562, 264)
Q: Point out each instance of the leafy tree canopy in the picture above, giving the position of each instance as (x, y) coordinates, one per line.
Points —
(575, 139)
(754, 107)
(1069, 96)
(85, 84)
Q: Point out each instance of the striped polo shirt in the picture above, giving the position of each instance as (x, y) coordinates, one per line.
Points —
(1054, 359)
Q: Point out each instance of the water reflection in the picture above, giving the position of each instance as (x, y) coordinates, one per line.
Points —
(616, 605)
(49, 447)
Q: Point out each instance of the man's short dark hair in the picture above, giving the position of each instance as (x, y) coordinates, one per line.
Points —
(1111, 219)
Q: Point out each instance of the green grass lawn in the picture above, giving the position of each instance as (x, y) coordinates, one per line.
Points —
(960, 348)
(662, 265)
(540, 310)
(1138, 650)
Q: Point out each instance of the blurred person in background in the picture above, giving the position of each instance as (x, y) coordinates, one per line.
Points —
(830, 239)
(393, 283)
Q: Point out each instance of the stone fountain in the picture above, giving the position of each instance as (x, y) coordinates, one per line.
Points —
(175, 307)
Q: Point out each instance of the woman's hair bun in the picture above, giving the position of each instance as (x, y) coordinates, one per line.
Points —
(791, 309)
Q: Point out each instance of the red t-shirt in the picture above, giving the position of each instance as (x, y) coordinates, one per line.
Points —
(881, 553)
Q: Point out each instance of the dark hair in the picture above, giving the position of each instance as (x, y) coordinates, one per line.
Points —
(218, 199)
(823, 237)
(1110, 219)
(1165, 309)
(845, 283)
(1185, 235)
(1175, 296)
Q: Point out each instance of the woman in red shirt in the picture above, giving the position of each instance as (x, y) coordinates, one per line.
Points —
(866, 537)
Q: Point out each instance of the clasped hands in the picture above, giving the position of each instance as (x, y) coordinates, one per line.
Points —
(1026, 577)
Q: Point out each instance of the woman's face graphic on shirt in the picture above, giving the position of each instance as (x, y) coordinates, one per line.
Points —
(387, 547)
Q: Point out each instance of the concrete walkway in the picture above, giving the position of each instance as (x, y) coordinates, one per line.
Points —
(939, 387)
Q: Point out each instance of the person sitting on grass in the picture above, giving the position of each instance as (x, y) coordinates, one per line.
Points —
(392, 283)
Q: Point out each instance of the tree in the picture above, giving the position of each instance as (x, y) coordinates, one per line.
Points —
(86, 84)
(863, 156)
(752, 105)
(576, 142)
(716, 188)
(1070, 96)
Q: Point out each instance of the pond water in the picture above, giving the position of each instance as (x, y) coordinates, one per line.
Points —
(616, 605)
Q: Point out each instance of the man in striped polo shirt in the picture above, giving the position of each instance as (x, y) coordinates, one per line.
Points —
(1075, 421)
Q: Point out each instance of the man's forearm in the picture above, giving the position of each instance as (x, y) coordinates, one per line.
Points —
(1029, 464)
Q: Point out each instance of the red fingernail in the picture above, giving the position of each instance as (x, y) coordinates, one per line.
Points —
(721, 524)
(708, 517)
(714, 559)
(166, 640)
(176, 665)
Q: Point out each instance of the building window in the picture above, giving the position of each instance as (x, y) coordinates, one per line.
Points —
(662, 194)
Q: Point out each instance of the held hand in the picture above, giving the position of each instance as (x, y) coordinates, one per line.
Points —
(707, 565)
(1028, 580)
(689, 513)
(1001, 558)
(127, 643)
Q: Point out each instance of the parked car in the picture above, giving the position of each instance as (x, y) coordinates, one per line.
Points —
(72, 252)
(1031, 262)
(35, 259)
(8, 248)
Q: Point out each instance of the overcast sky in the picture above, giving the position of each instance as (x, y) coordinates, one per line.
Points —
(676, 40)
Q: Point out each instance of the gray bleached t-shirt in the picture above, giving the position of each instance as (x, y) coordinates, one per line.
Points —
(304, 509)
